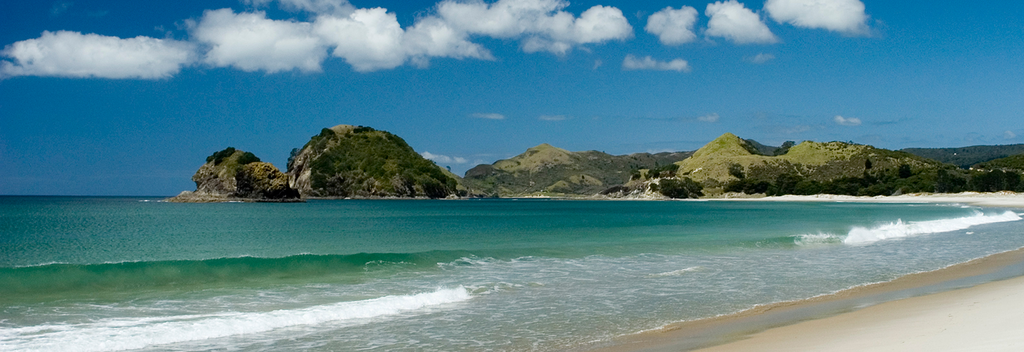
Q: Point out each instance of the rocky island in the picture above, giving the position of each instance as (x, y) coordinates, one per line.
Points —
(235, 175)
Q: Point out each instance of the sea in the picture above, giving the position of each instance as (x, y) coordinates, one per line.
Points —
(140, 274)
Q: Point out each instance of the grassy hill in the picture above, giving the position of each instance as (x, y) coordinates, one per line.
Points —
(730, 163)
(547, 170)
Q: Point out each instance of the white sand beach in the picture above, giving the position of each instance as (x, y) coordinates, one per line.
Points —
(993, 199)
(987, 317)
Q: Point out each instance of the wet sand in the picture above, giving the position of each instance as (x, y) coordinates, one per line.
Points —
(909, 313)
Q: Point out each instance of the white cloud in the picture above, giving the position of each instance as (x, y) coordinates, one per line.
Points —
(648, 63)
(1009, 135)
(713, 117)
(761, 58)
(433, 37)
(73, 54)
(332, 7)
(846, 121)
(732, 21)
(672, 26)
(843, 16)
(443, 159)
(597, 63)
(251, 42)
(368, 39)
(540, 23)
(551, 117)
(488, 116)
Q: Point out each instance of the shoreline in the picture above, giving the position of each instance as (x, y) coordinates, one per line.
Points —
(1002, 199)
(722, 332)
(799, 324)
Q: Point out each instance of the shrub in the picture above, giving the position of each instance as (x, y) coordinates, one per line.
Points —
(680, 188)
(218, 157)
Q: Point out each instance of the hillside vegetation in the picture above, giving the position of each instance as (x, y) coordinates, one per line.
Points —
(731, 164)
(965, 157)
(547, 170)
(350, 161)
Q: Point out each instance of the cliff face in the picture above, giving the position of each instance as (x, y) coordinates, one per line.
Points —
(548, 170)
(233, 174)
(350, 161)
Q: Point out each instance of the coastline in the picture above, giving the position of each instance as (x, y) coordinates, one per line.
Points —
(1003, 199)
(797, 325)
(874, 316)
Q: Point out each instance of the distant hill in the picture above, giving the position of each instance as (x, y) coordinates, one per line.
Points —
(1010, 163)
(548, 170)
(732, 164)
(351, 161)
(965, 157)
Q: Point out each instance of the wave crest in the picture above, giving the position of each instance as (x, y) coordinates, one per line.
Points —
(900, 229)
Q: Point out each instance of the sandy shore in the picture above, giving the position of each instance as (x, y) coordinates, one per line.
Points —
(987, 317)
(994, 199)
(974, 306)
(959, 308)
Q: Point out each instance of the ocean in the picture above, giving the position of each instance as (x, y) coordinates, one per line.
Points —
(106, 274)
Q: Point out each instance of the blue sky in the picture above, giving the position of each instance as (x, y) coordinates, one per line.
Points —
(129, 97)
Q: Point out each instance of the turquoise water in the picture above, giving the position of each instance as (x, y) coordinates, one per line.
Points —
(97, 274)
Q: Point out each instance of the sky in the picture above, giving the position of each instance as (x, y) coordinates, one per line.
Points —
(129, 97)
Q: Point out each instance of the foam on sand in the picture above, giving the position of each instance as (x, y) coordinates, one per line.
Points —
(133, 333)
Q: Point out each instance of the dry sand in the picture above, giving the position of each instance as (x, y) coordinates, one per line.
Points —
(987, 317)
(994, 199)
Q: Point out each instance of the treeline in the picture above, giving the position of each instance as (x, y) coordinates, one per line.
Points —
(884, 183)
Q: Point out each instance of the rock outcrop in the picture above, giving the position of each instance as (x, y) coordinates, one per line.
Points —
(235, 175)
(349, 161)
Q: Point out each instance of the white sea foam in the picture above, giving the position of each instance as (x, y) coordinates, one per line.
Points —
(820, 238)
(133, 333)
(900, 229)
(676, 272)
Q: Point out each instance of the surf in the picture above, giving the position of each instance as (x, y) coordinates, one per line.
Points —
(134, 333)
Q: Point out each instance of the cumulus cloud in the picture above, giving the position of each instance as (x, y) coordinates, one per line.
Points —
(488, 116)
(540, 23)
(1009, 135)
(732, 21)
(443, 159)
(673, 26)
(552, 117)
(73, 54)
(648, 63)
(368, 39)
(249, 41)
(713, 117)
(843, 16)
(332, 7)
(846, 121)
(761, 58)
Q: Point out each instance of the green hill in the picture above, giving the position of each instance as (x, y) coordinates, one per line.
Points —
(1010, 163)
(730, 163)
(349, 161)
(965, 157)
(547, 170)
